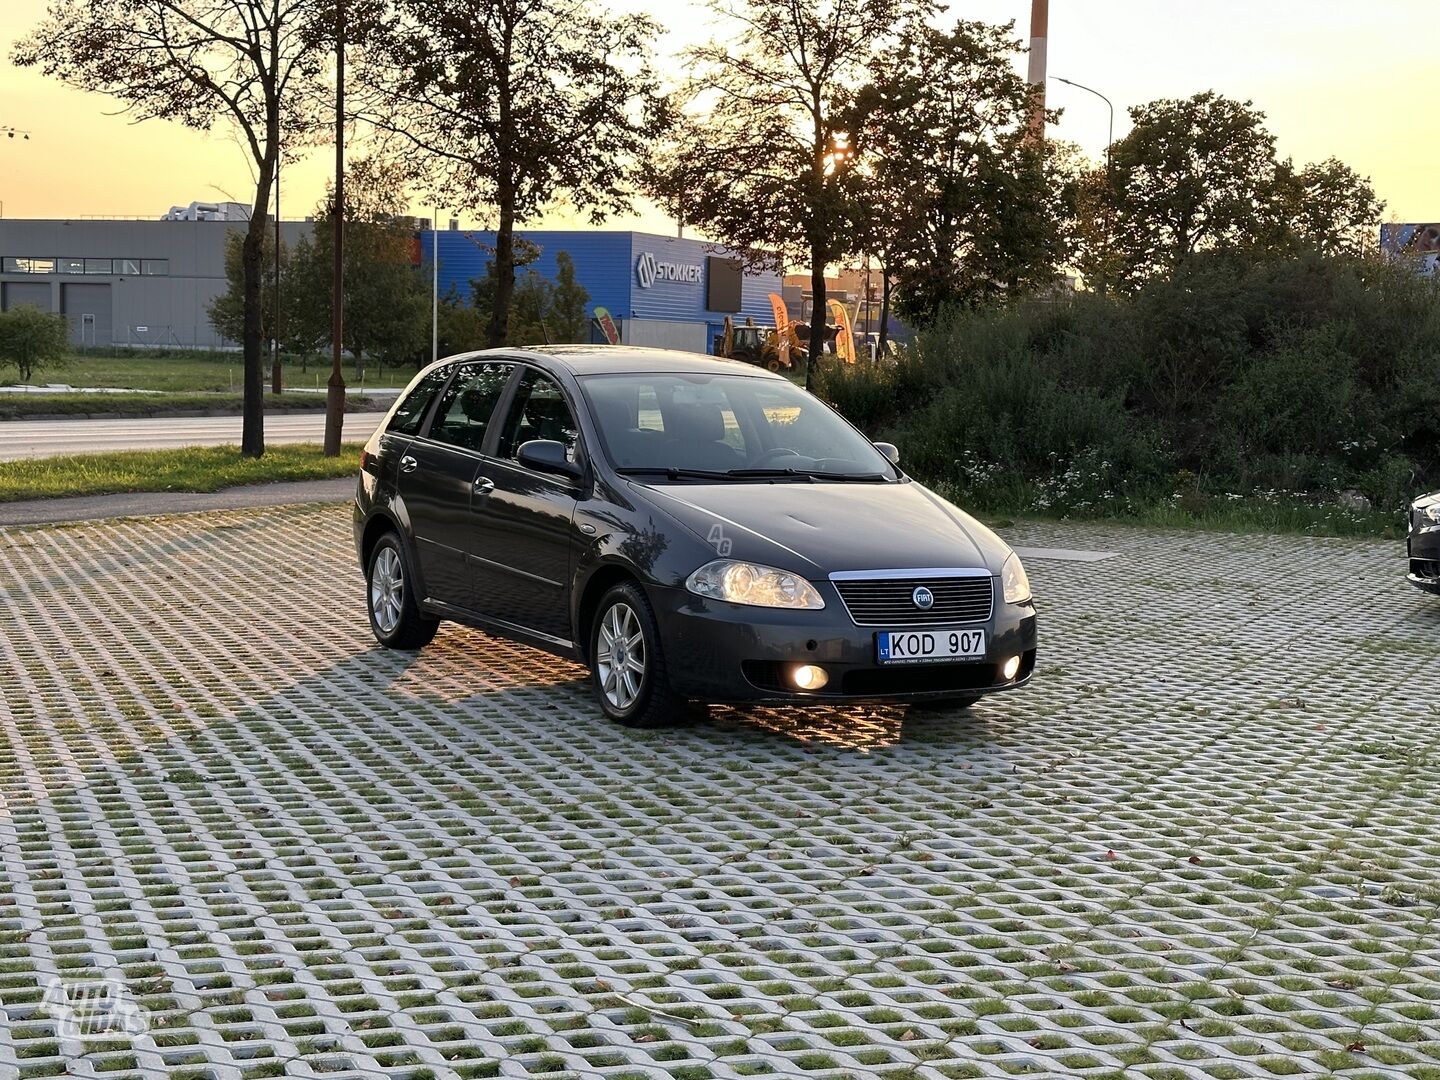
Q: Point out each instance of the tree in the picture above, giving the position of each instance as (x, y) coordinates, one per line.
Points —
(1329, 206)
(567, 320)
(516, 103)
(251, 63)
(762, 157)
(541, 311)
(462, 326)
(227, 310)
(959, 202)
(1201, 174)
(31, 339)
(1191, 174)
(386, 300)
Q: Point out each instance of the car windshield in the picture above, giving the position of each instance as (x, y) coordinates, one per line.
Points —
(730, 427)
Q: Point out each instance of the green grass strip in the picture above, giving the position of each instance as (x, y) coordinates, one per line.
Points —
(195, 468)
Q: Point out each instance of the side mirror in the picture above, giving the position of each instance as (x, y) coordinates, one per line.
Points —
(890, 450)
(548, 456)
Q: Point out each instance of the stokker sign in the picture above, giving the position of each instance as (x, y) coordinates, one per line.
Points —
(649, 270)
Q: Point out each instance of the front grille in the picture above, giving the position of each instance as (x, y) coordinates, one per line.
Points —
(919, 679)
(1425, 568)
(889, 601)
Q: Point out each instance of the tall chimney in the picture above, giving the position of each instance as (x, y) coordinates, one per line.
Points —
(1039, 33)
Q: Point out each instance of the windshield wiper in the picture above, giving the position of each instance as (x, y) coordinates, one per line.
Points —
(673, 473)
(806, 474)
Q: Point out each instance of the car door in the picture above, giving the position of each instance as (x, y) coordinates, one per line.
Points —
(524, 521)
(437, 473)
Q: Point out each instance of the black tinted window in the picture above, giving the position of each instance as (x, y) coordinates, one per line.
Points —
(464, 413)
(539, 411)
(411, 413)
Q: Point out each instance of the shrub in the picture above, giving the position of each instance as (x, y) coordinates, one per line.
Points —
(31, 339)
(1295, 378)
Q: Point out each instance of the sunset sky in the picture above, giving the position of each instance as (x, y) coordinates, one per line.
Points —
(1334, 77)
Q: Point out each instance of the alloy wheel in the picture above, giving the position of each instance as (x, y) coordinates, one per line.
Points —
(387, 590)
(620, 657)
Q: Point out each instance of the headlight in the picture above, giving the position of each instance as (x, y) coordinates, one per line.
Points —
(748, 583)
(1431, 513)
(1015, 581)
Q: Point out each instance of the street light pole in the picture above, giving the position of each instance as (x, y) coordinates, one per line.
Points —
(1090, 90)
(276, 377)
(1109, 175)
(434, 284)
(335, 389)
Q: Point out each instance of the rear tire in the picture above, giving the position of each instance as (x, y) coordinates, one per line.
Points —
(395, 616)
(627, 662)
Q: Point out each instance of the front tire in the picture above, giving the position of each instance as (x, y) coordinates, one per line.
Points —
(395, 616)
(627, 663)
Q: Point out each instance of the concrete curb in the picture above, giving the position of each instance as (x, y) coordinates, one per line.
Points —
(155, 503)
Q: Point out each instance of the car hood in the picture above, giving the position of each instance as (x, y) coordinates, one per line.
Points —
(817, 529)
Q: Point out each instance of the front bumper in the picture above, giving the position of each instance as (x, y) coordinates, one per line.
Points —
(722, 652)
(1423, 549)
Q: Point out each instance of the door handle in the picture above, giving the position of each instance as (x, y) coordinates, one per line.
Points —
(484, 485)
(408, 464)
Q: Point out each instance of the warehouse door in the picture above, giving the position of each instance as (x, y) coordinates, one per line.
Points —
(35, 293)
(87, 309)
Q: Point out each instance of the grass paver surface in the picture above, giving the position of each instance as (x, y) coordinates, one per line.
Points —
(1204, 843)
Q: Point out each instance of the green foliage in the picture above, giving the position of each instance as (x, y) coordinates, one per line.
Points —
(387, 302)
(227, 310)
(541, 311)
(1201, 174)
(955, 199)
(516, 106)
(462, 326)
(1287, 381)
(568, 299)
(31, 339)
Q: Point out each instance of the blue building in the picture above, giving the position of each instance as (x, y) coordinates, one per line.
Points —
(662, 291)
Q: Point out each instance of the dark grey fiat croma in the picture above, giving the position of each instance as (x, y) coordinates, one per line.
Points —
(692, 529)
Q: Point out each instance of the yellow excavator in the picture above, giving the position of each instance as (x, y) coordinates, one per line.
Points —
(759, 345)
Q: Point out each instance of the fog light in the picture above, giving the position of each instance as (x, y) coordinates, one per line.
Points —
(809, 677)
(1011, 668)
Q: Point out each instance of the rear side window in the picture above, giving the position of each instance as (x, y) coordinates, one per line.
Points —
(464, 413)
(411, 413)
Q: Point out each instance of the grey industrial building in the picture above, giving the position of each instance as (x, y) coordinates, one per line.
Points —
(141, 282)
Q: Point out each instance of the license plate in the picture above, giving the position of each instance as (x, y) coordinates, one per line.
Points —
(929, 646)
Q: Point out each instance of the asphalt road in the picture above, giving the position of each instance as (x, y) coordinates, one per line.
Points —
(47, 438)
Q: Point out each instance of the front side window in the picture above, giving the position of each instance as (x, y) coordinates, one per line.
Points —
(465, 410)
(539, 411)
(406, 419)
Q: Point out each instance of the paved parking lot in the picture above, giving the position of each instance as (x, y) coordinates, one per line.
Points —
(1205, 843)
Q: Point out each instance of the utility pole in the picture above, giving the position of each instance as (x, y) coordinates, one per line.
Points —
(1039, 43)
(335, 389)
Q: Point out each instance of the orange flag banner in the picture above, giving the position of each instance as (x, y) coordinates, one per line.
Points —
(845, 339)
(782, 328)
